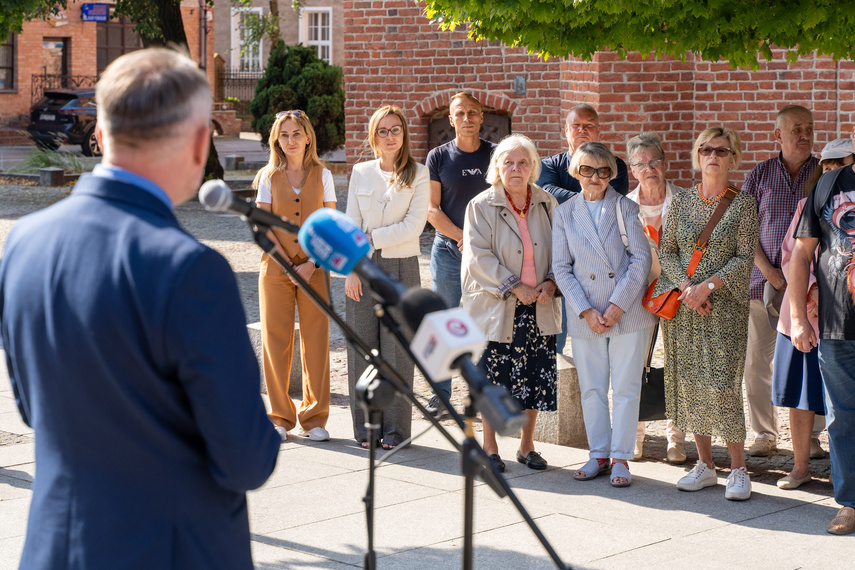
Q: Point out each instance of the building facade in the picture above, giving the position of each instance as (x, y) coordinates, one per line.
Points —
(394, 54)
(71, 50)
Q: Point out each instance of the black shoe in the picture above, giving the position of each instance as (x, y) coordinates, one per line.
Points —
(436, 409)
(533, 460)
(497, 462)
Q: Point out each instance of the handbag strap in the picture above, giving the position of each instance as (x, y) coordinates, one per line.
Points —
(621, 224)
(704, 239)
(652, 345)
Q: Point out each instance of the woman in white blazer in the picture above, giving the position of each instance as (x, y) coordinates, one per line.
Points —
(388, 198)
(602, 281)
(508, 288)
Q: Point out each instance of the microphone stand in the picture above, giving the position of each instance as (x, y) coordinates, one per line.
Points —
(474, 458)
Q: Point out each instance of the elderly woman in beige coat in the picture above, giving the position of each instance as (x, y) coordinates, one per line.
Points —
(509, 290)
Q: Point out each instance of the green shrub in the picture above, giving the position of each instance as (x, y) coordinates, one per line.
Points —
(46, 158)
(296, 79)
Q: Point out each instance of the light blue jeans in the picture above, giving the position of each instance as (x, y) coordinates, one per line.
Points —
(445, 281)
(837, 366)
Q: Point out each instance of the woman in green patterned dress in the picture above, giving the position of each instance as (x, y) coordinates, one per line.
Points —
(705, 343)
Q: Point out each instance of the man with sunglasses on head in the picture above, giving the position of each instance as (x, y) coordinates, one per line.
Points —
(582, 126)
(777, 184)
(458, 171)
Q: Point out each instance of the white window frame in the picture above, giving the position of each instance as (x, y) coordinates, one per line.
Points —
(304, 29)
(236, 43)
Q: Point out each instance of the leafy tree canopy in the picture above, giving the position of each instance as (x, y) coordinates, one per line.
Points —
(15, 12)
(739, 31)
(296, 79)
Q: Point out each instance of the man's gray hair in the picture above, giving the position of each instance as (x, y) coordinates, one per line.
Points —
(583, 109)
(148, 94)
(790, 109)
(645, 140)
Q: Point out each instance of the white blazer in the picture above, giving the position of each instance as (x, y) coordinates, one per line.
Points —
(394, 215)
(593, 268)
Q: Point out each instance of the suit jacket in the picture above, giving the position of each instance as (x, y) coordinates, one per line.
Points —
(128, 355)
(555, 178)
(594, 269)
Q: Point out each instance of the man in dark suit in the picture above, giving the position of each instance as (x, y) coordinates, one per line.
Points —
(127, 349)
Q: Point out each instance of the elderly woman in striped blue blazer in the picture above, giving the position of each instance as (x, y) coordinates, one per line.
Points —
(602, 271)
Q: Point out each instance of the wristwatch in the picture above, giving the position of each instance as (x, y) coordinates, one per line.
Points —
(710, 285)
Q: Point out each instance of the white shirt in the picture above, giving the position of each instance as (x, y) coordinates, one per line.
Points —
(264, 195)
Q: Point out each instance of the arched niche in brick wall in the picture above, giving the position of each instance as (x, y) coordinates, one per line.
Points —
(494, 128)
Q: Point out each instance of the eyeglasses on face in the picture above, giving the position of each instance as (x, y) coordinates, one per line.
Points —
(720, 151)
(655, 164)
(588, 171)
(383, 133)
(295, 113)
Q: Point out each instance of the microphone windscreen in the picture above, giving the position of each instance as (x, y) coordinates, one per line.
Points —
(333, 240)
(416, 303)
(215, 195)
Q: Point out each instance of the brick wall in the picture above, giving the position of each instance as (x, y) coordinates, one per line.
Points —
(395, 55)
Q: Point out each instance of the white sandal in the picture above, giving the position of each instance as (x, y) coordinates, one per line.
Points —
(620, 469)
(591, 469)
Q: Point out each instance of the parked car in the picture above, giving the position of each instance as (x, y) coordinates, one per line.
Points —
(65, 116)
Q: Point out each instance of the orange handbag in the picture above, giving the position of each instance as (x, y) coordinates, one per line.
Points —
(666, 304)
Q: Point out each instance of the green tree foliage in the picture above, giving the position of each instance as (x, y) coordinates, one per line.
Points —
(14, 13)
(738, 31)
(296, 79)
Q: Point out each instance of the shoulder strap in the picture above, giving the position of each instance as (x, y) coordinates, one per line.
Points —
(703, 240)
(621, 224)
(822, 190)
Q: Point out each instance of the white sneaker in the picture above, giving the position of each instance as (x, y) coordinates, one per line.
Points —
(699, 477)
(738, 485)
(283, 433)
(315, 434)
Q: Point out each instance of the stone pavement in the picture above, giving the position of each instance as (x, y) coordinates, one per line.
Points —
(309, 514)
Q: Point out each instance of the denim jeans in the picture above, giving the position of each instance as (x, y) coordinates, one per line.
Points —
(445, 282)
(837, 365)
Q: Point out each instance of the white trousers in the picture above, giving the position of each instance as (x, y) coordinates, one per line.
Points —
(621, 358)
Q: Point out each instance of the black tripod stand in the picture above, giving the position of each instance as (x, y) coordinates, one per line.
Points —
(377, 388)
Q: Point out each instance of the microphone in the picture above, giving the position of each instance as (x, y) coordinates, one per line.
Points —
(449, 339)
(337, 244)
(216, 197)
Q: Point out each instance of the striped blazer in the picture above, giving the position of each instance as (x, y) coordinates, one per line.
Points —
(593, 268)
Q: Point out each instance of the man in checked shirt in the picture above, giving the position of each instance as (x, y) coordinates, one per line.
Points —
(777, 184)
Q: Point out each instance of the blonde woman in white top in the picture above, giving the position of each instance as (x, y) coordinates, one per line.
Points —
(388, 197)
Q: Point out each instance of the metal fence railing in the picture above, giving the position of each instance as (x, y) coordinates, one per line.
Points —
(237, 86)
(41, 83)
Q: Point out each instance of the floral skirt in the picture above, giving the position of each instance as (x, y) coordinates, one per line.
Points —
(526, 366)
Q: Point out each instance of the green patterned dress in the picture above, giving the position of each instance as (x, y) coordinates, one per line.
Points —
(705, 355)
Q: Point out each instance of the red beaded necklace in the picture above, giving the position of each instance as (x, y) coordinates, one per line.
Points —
(710, 200)
(520, 212)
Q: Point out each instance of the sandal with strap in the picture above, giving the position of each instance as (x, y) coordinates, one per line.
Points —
(620, 470)
(591, 469)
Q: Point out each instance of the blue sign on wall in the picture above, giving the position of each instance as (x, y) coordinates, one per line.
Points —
(95, 12)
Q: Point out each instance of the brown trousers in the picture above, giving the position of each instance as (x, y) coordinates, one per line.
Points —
(277, 299)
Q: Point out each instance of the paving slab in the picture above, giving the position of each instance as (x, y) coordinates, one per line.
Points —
(11, 422)
(10, 552)
(19, 454)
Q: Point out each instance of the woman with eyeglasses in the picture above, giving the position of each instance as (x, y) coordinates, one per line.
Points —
(705, 342)
(653, 196)
(388, 197)
(292, 185)
(602, 273)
